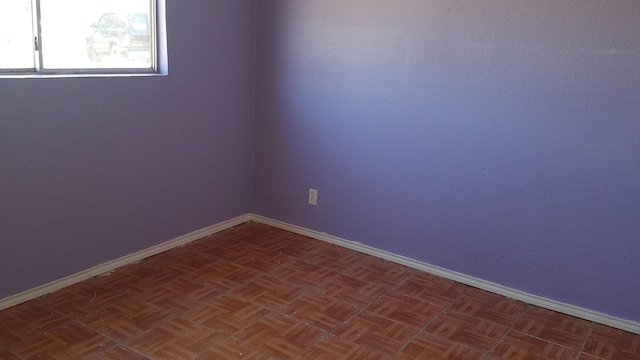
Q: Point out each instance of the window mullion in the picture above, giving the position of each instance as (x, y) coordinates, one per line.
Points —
(37, 33)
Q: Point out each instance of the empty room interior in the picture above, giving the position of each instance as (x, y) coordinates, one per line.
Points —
(476, 166)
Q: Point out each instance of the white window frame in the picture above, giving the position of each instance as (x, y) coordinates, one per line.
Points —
(157, 44)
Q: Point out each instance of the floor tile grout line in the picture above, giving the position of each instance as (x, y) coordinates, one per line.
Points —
(586, 340)
(362, 309)
(422, 330)
(399, 351)
(228, 293)
(331, 331)
(513, 323)
(578, 350)
(124, 343)
(79, 321)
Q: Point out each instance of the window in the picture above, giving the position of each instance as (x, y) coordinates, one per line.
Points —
(78, 36)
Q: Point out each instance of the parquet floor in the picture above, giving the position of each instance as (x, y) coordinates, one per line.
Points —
(255, 292)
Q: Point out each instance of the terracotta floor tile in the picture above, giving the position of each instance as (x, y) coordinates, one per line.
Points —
(260, 293)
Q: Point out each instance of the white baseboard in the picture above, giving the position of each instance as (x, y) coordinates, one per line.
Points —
(47, 288)
(572, 310)
(554, 305)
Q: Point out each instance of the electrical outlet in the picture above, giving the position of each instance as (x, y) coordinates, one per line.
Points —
(313, 197)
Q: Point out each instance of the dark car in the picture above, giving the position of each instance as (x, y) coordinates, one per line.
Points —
(120, 36)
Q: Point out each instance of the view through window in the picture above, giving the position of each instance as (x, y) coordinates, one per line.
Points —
(49, 35)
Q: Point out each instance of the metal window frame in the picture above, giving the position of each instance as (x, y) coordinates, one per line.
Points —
(39, 65)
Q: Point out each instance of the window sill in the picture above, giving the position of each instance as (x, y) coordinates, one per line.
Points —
(57, 75)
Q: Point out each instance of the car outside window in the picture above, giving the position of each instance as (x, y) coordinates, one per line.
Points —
(78, 36)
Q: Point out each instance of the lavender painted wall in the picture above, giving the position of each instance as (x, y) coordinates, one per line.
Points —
(92, 169)
(497, 138)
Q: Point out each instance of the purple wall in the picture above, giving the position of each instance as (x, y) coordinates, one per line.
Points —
(92, 169)
(500, 138)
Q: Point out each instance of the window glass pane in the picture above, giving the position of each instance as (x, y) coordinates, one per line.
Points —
(81, 34)
(16, 35)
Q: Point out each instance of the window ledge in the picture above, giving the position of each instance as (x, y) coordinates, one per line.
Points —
(45, 75)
